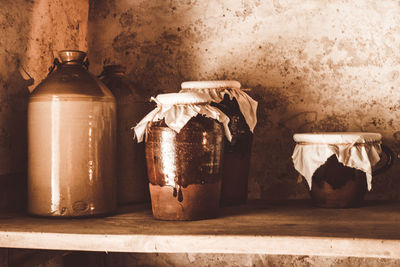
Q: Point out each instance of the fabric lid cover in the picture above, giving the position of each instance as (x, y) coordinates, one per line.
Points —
(177, 109)
(183, 98)
(217, 90)
(357, 150)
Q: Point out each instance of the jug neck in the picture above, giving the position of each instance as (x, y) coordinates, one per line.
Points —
(72, 56)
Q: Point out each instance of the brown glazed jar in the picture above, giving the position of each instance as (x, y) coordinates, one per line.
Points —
(236, 163)
(71, 142)
(132, 106)
(184, 149)
(335, 185)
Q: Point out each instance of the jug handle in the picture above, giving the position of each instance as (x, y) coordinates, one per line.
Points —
(86, 63)
(21, 68)
(56, 63)
(389, 160)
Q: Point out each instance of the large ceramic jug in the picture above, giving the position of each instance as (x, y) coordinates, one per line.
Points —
(71, 142)
(132, 105)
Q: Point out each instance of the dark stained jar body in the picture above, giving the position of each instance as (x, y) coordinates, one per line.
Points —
(237, 153)
(184, 169)
(71, 143)
(132, 106)
(337, 186)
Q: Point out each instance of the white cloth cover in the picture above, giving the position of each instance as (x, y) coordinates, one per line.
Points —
(217, 90)
(177, 109)
(356, 150)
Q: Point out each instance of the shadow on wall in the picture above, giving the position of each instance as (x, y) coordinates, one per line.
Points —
(273, 176)
(31, 32)
(14, 94)
(13, 140)
(157, 57)
(295, 77)
(284, 111)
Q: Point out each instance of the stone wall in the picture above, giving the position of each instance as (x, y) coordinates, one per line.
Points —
(312, 65)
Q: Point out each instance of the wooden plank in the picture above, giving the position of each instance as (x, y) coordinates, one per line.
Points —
(295, 229)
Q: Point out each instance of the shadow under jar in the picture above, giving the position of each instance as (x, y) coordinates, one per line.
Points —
(335, 185)
(184, 169)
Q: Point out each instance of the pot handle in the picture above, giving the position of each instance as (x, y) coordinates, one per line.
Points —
(56, 63)
(389, 160)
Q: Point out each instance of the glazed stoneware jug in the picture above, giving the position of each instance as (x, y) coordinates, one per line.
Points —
(71, 142)
(132, 105)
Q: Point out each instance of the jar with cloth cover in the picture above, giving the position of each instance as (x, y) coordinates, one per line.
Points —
(338, 166)
(241, 109)
(184, 150)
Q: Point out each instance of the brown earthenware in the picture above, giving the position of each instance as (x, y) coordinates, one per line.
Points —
(237, 154)
(184, 169)
(337, 186)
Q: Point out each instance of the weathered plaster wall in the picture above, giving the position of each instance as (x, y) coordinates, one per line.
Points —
(14, 29)
(31, 32)
(54, 25)
(244, 260)
(313, 65)
(45, 258)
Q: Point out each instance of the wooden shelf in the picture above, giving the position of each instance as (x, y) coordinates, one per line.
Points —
(292, 228)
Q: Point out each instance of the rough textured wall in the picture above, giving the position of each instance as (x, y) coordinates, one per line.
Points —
(31, 32)
(54, 25)
(48, 258)
(313, 65)
(244, 260)
(14, 29)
